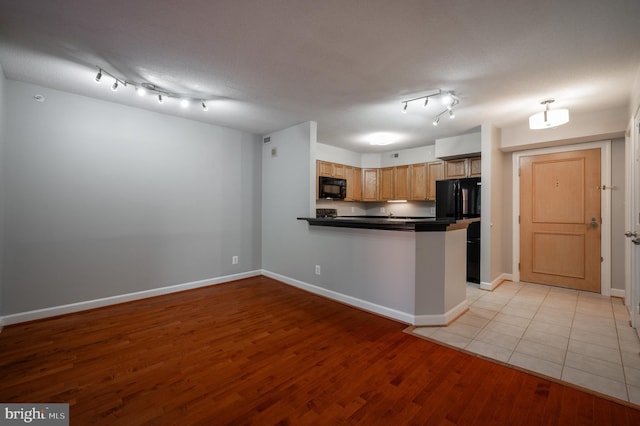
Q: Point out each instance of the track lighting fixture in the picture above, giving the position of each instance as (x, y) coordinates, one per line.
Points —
(449, 99)
(147, 88)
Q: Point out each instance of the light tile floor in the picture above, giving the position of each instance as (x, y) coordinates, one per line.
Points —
(574, 336)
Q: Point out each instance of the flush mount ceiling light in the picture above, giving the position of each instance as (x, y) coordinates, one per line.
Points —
(448, 99)
(145, 88)
(382, 138)
(549, 117)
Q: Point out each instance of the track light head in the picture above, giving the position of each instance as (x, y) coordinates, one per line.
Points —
(436, 121)
(452, 115)
(404, 109)
(160, 100)
(426, 101)
(141, 90)
(99, 76)
(184, 103)
(204, 106)
(115, 86)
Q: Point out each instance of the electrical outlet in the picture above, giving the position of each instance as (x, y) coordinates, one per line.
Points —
(234, 260)
(317, 269)
(383, 210)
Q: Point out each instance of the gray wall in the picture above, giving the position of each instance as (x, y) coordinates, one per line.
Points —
(103, 199)
(2, 180)
(618, 167)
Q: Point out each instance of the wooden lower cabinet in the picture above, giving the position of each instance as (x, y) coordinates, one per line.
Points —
(370, 184)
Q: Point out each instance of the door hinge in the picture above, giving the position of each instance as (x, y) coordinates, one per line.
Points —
(518, 266)
(518, 219)
(601, 259)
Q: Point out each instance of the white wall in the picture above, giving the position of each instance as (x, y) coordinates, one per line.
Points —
(466, 145)
(104, 199)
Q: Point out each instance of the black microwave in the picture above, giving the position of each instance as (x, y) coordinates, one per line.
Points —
(333, 188)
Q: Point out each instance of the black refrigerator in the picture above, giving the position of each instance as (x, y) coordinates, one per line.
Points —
(460, 199)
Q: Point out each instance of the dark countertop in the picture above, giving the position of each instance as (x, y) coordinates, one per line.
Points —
(412, 224)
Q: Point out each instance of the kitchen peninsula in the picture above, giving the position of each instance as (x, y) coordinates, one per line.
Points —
(422, 262)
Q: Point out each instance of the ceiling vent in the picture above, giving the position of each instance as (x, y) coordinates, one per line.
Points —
(266, 140)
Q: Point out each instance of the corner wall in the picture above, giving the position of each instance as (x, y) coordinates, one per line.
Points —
(103, 200)
(3, 113)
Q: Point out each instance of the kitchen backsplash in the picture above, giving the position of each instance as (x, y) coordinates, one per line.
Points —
(346, 208)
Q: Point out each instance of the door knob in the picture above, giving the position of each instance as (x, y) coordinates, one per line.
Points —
(636, 241)
(630, 234)
(593, 223)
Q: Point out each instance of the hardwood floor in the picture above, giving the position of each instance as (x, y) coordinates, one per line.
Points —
(257, 351)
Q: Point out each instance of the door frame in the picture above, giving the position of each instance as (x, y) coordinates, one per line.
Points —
(605, 205)
(632, 270)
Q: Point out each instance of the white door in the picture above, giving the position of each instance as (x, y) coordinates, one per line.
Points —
(633, 222)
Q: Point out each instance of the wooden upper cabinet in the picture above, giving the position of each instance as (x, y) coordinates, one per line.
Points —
(339, 171)
(324, 168)
(475, 167)
(353, 175)
(463, 167)
(418, 180)
(402, 183)
(370, 184)
(435, 172)
(357, 184)
(454, 169)
(387, 184)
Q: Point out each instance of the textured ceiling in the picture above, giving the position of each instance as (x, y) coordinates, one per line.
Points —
(269, 64)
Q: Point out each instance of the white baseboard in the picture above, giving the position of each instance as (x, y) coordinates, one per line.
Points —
(495, 283)
(617, 292)
(106, 301)
(348, 300)
(443, 319)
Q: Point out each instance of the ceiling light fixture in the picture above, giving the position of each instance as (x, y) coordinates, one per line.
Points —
(548, 118)
(449, 99)
(148, 88)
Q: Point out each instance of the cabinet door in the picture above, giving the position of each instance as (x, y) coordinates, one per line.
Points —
(475, 167)
(455, 169)
(339, 171)
(435, 172)
(387, 183)
(357, 184)
(370, 185)
(418, 181)
(348, 176)
(324, 168)
(402, 184)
